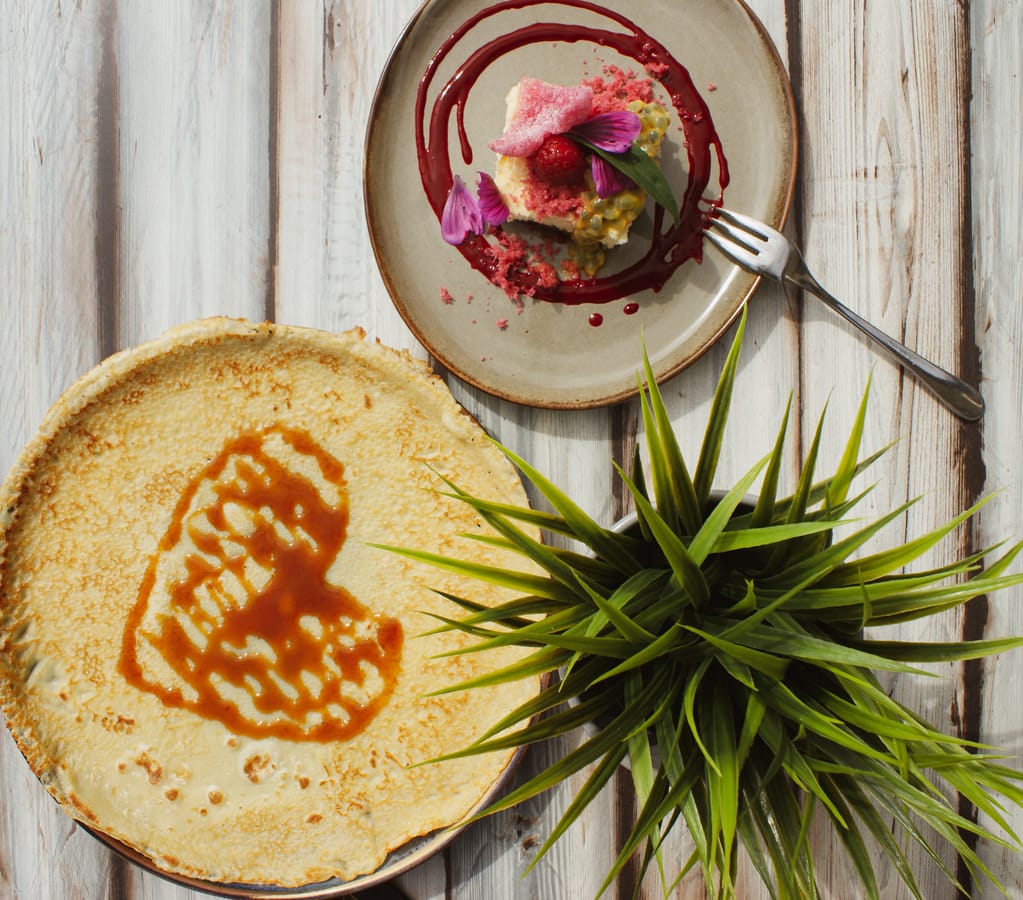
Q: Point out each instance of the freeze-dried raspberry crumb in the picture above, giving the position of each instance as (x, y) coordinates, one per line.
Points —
(547, 200)
(520, 268)
(617, 88)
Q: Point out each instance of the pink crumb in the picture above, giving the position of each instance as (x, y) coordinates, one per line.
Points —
(445, 296)
(502, 324)
(617, 88)
(512, 271)
(507, 258)
(550, 200)
(547, 274)
(519, 268)
(711, 86)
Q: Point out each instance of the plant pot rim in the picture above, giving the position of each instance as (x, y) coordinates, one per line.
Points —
(716, 495)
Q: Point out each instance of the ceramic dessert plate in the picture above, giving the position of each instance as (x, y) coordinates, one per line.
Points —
(441, 101)
(204, 656)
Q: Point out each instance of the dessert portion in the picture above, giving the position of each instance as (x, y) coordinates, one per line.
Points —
(203, 654)
(598, 209)
(550, 169)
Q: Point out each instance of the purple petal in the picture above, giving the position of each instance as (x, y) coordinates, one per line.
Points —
(492, 205)
(607, 180)
(613, 131)
(461, 214)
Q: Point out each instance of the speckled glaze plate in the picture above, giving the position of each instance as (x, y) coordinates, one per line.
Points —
(551, 354)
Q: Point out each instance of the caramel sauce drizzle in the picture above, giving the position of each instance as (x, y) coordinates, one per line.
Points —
(310, 660)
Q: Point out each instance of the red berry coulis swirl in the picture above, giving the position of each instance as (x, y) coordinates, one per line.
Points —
(671, 245)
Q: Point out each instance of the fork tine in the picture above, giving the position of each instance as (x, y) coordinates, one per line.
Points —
(734, 250)
(747, 222)
(736, 236)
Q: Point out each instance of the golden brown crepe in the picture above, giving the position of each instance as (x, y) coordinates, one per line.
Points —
(201, 655)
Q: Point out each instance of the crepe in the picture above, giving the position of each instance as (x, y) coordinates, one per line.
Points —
(201, 653)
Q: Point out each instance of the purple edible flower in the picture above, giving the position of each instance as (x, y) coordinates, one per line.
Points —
(608, 180)
(461, 214)
(611, 131)
(492, 205)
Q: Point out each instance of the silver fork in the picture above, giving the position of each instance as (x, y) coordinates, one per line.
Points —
(765, 251)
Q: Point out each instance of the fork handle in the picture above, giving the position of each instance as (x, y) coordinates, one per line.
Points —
(962, 399)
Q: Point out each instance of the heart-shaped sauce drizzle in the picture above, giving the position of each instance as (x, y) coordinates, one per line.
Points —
(236, 618)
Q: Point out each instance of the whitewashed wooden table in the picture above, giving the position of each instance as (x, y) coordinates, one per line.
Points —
(163, 161)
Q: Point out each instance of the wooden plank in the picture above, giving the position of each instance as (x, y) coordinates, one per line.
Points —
(996, 27)
(56, 117)
(330, 59)
(193, 193)
(886, 227)
(192, 156)
(768, 373)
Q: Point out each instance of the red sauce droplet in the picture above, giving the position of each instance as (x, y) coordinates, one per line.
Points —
(596, 319)
(248, 630)
(671, 245)
(630, 309)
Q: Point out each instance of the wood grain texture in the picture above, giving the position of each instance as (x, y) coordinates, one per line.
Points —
(885, 222)
(51, 333)
(168, 161)
(996, 184)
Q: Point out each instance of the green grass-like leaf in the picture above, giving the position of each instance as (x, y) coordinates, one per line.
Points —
(719, 647)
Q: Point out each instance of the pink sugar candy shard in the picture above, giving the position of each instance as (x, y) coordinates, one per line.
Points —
(541, 110)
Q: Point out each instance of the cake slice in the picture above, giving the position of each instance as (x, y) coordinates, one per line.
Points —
(545, 176)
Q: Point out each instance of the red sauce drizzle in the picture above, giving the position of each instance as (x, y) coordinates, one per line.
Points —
(671, 245)
(630, 309)
(305, 691)
(596, 320)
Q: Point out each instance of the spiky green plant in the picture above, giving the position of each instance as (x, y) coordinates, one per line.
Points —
(732, 638)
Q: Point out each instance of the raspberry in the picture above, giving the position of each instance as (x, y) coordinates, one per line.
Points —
(559, 160)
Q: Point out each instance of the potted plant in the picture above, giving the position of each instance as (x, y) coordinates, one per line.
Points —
(742, 643)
